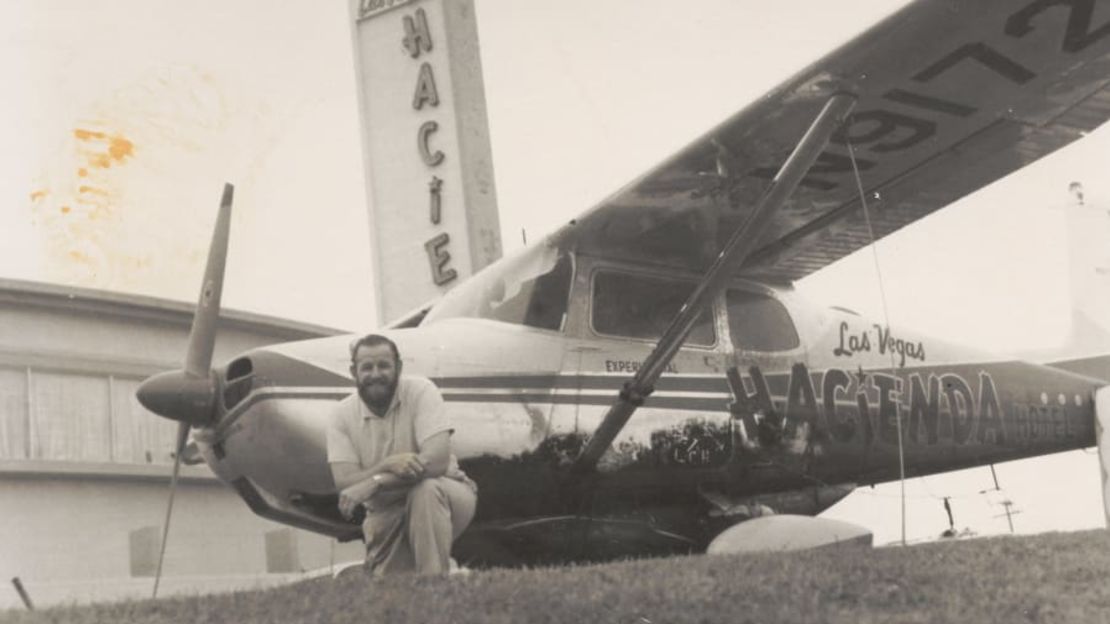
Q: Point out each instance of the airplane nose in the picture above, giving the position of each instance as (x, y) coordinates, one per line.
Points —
(179, 396)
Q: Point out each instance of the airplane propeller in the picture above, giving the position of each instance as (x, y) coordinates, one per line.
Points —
(189, 395)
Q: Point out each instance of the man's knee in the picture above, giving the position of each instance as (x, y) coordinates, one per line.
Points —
(428, 491)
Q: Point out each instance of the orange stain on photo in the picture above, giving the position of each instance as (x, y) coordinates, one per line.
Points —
(37, 195)
(65, 209)
(117, 150)
(91, 189)
(88, 135)
(120, 148)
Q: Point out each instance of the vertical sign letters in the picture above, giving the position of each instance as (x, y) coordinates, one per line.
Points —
(416, 41)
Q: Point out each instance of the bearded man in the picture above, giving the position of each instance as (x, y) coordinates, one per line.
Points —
(389, 448)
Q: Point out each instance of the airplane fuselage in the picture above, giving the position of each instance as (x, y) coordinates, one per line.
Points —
(728, 432)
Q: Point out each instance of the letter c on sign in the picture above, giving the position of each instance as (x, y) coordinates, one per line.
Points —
(430, 159)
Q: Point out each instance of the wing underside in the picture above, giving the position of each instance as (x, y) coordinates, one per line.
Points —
(951, 96)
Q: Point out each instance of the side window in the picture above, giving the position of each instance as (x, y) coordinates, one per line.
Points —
(530, 288)
(759, 323)
(637, 306)
(540, 301)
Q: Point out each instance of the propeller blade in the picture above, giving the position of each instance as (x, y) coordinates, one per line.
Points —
(202, 337)
(182, 438)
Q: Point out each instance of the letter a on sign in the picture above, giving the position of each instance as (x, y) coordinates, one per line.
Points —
(425, 88)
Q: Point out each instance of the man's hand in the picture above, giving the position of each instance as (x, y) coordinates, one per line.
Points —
(407, 466)
(355, 495)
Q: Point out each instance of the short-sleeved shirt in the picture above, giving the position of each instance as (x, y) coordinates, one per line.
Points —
(417, 412)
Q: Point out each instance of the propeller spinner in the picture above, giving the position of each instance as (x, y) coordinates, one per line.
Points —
(189, 395)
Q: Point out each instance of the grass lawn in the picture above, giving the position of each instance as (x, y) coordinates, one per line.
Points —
(1060, 577)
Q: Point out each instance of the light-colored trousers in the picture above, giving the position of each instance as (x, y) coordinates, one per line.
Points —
(414, 533)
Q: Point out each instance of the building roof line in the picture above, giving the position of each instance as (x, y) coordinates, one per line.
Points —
(75, 298)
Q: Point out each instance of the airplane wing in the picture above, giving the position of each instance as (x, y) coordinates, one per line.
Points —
(951, 96)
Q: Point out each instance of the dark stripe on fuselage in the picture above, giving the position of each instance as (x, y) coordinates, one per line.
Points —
(680, 403)
(700, 404)
(1017, 391)
(278, 370)
(267, 393)
(581, 382)
(691, 403)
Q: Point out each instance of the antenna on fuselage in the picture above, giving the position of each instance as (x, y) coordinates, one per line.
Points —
(886, 320)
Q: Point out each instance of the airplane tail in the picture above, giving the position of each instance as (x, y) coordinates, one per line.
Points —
(1088, 343)
(1088, 232)
(1087, 346)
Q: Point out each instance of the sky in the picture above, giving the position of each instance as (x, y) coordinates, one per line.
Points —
(125, 117)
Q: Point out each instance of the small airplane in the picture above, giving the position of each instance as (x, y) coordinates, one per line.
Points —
(645, 378)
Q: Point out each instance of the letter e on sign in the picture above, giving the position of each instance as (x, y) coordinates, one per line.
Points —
(438, 257)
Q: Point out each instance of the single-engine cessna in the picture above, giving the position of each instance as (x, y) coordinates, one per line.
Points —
(645, 378)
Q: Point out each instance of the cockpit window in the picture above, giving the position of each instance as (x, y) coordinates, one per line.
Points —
(759, 322)
(531, 289)
(639, 306)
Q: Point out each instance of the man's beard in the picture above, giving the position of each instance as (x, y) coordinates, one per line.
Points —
(378, 395)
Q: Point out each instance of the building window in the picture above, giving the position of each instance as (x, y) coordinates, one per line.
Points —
(71, 414)
(14, 435)
(76, 417)
(138, 436)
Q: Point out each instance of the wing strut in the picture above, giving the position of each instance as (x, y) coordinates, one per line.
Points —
(739, 246)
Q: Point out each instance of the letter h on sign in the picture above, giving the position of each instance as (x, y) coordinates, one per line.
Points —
(417, 37)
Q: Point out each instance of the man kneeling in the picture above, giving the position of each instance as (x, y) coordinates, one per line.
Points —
(389, 447)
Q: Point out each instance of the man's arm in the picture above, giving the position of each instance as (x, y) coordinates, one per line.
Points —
(396, 472)
(433, 431)
(435, 454)
(358, 486)
(405, 466)
(431, 461)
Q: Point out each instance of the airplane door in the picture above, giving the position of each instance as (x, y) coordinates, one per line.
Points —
(776, 401)
(621, 313)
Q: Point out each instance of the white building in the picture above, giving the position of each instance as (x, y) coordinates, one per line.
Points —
(84, 469)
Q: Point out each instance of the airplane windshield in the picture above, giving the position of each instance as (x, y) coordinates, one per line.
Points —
(531, 289)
